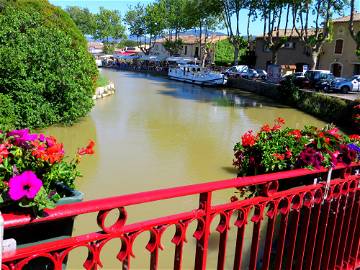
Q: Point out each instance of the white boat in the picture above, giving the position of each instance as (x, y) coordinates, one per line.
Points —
(196, 75)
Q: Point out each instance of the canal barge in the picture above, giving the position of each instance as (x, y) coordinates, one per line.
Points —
(196, 75)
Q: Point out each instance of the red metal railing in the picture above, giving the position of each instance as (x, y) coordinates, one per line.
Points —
(305, 229)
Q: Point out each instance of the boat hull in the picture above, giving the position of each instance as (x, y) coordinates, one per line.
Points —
(211, 82)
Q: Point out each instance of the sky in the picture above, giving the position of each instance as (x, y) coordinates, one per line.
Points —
(256, 27)
(123, 6)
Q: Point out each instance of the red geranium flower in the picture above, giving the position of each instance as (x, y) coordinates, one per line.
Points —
(88, 150)
(279, 156)
(296, 133)
(280, 120)
(354, 137)
(265, 128)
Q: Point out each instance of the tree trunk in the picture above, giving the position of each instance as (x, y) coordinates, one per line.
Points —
(315, 59)
(274, 57)
(236, 55)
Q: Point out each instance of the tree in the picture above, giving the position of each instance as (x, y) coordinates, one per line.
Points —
(176, 19)
(83, 18)
(126, 43)
(355, 36)
(272, 13)
(224, 53)
(203, 15)
(146, 23)
(232, 8)
(46, 76)
(109, 27)
(173, 46)
(315, 37)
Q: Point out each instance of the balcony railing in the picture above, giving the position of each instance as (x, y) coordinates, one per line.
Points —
(308, 223)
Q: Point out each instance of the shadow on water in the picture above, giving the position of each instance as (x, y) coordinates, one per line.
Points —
(221, 96)
(231, 170)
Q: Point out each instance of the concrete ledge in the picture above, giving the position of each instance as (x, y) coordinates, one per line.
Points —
(258, 87)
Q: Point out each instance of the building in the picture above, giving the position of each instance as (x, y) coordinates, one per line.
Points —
(190, 48)
(339, 55)
(293, 55)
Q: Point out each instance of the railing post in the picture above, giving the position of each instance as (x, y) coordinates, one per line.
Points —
(202, 243)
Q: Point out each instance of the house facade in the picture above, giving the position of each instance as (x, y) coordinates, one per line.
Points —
(292, 54)
(339, 56)
(190, 48)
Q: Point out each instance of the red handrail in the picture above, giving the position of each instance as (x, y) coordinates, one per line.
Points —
(328, 236)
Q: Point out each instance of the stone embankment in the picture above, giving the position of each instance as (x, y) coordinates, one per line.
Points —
(104, 91)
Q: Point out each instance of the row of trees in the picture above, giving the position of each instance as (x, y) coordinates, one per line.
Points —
(148, 23)
(308, 20)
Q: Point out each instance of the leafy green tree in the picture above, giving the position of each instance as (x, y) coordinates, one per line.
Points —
(173, 46)
(146, 23)
(273, 15)
(83, 19)
(46, 76)
(224, 52)
(231, 9)
(126, 43)
(355, 36)
(205, 16)
(315, 35)
(109, 27)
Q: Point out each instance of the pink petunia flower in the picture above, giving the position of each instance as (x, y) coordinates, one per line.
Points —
(26, 185)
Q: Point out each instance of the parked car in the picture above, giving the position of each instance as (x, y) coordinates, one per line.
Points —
(314, 76)
(235, 71)
(298, 79)
(262, 73)
(249, 74)
(324, 84)
(347, 85)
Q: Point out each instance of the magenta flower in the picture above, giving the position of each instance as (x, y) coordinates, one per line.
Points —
(22, 136)
(24, 185)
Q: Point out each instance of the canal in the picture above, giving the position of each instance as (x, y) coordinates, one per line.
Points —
(156, 133)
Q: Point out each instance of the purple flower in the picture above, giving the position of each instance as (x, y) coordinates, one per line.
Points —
(42, 137)
(22, 136)
(24, 185)
(354, 147)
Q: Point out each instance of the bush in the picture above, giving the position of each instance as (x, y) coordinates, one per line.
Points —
(46, 76)
(331, 109)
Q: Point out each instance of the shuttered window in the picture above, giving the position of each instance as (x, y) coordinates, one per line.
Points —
(339, 46)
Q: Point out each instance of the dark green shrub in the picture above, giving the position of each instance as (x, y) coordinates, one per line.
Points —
(45, 69)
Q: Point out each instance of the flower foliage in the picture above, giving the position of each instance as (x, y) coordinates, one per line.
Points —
(32, 166)
(274, 148)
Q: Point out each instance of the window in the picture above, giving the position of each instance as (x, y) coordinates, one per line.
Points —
(266, 48)
(339, 46)
(185, 50)
(196, 52)
(289, 45)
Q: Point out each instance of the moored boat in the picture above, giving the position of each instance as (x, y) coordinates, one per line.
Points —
(196, 75)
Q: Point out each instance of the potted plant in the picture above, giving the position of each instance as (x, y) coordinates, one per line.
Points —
(274, 148)
(34, 175)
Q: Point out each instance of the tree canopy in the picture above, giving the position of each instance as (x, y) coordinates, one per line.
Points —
(46, 76)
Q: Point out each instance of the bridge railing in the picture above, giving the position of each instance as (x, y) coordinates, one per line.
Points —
(309, 224)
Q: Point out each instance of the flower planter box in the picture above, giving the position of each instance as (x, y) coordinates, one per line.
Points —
(45, 232)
